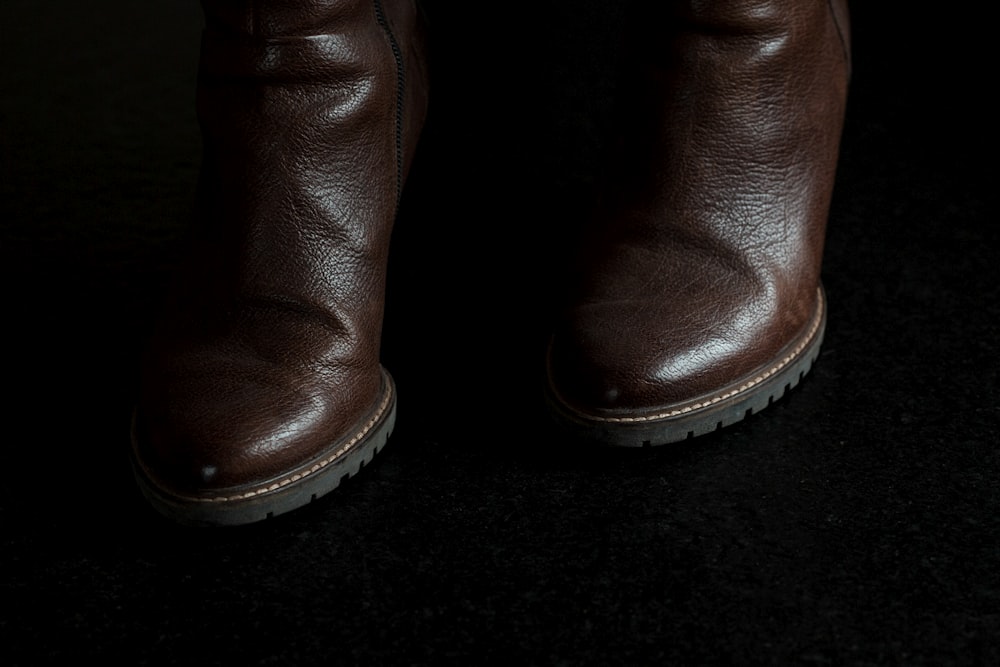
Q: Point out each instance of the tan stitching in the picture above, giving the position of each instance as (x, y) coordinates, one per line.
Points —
(742, 388)
(319, 465)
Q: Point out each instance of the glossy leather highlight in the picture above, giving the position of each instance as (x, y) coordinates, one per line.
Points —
(702, 264)
(266, 358)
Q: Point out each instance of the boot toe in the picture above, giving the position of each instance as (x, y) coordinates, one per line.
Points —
(216, 447)
(202, 455)
(653, 382)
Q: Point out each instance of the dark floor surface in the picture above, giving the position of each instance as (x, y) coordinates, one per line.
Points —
(856, 522)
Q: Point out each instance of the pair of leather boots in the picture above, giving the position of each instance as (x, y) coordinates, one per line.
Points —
(697, 298)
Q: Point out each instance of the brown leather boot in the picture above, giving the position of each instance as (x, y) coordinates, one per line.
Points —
(262, 388)
(699, 298)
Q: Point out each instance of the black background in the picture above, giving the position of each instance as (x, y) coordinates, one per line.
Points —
(854, 522)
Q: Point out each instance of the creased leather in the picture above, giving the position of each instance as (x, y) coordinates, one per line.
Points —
(703, 261)
(268, 348)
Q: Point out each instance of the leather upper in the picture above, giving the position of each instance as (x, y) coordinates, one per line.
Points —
(703, 261)
(268, 349)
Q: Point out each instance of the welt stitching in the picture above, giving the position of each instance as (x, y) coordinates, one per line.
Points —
(735, 392)
(319, 465)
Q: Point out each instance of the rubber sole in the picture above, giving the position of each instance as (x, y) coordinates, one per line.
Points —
(705, 414)
(297, 488)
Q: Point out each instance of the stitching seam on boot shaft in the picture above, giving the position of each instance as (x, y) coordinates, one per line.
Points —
(397, 55)
(843, 39)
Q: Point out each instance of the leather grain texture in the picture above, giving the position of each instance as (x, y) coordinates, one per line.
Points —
(267, 353)
(703, 261)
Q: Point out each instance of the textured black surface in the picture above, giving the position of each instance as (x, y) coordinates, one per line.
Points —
(855, 522)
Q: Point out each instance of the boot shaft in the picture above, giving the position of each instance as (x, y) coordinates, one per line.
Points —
(729, 129)
(310, 115)
(270, 19)
(375, 46)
